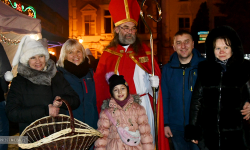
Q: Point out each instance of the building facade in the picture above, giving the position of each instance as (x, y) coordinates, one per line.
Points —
(91, 23)
(180, 14)
(54, 27)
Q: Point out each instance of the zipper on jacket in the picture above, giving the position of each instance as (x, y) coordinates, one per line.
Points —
(191, 81)
(86, 88)
(219, 109)
(183, 96)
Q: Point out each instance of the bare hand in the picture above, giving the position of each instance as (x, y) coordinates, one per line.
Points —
(168, 132)
(246, 111)
(53, 111)
(57, 103)
(195, 141)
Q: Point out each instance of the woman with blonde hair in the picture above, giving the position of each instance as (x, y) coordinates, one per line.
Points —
(74, 64)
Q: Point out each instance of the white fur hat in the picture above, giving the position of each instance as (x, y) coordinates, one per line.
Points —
(27, 48)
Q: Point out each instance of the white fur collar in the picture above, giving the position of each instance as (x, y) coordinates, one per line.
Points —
(38, 77)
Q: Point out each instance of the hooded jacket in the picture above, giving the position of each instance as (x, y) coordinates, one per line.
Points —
(177, 87)
(131, 115)
(218, 97)
(85, 88)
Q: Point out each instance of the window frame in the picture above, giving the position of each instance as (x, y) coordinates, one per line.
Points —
(89, 10)
(111, 22)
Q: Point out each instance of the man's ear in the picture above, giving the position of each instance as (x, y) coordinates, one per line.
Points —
(117, 30)
(174, 47)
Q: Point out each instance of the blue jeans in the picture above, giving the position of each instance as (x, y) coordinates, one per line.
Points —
(180, 143)
(4, 125)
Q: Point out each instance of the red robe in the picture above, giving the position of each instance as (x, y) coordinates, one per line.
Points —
(117, 60)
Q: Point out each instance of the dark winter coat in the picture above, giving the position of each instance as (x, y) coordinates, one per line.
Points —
(85, 88)
(219, 95)
(27, 102)
(4, 61)
(4, 67)
(177, 87)
(3, 88)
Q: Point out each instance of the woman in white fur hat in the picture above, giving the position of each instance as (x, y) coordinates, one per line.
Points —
(37, 85)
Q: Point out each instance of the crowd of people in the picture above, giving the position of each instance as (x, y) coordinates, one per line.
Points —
(202, 103)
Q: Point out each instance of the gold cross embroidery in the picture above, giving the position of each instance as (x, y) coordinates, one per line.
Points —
(143, 59)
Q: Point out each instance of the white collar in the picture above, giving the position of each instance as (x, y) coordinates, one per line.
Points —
(126, 47)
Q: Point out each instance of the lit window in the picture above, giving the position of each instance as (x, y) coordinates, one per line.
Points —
(89, 20)
(89, 25)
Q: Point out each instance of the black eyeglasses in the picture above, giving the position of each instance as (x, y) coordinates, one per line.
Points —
(126, 29)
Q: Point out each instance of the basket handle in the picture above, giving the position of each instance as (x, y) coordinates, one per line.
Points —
(72, 122)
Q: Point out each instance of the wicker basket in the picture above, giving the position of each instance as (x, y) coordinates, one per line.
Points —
(59, 133)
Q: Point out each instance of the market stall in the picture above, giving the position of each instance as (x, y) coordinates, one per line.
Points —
(13, 26)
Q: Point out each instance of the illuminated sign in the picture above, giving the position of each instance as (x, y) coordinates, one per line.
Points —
(202, 36)
(203, 32)
(30, 11)
(202, 39)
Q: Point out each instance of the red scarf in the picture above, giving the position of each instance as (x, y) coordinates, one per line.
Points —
(122, 103)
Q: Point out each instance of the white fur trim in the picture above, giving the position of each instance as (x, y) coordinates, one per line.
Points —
(8, 76)
(24, 58)
(28, 48)
(16, 58)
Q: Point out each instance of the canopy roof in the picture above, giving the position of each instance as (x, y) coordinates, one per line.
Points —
(14, 25)
(12, 20)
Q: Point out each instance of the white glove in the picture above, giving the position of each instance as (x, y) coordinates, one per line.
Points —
(154, 81)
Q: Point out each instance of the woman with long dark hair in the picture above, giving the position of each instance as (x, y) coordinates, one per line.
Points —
(221, 91)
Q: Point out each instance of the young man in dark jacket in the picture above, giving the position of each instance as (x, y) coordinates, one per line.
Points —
(178, 80)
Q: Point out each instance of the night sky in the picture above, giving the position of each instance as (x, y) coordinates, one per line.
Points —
(59, 6)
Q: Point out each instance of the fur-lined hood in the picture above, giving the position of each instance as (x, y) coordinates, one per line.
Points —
(38, 77)
(236, 45)
(105, 103)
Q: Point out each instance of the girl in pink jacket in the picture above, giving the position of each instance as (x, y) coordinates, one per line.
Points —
(123, 121)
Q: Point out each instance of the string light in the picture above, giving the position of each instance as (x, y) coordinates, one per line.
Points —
(30, 11)
(4, 39)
